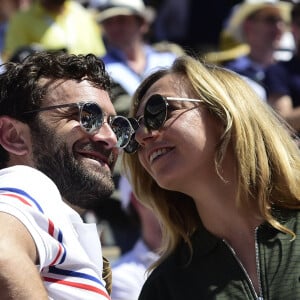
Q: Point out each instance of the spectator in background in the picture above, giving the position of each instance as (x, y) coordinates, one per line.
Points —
(7, 8)
(260, 24)
(55, 25)
(193, 24)
(230, 49)
(129, 58)
(283, 79)
(172, 21)
(130, 270)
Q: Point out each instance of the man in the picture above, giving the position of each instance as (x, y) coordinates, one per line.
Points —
(261, 25)
(283, 79)
(7, 9)
(58, 146)
(54, 25)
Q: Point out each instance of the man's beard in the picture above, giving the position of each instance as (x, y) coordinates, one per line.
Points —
(79, 185)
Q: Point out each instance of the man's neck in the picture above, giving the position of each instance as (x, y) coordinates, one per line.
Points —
(135, 57)
(263, 58)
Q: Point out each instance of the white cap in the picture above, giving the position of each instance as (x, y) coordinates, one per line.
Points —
(245, 9)
(114, 8)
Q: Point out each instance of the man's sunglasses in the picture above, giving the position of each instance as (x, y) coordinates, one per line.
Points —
(91, 118)
(155, 115)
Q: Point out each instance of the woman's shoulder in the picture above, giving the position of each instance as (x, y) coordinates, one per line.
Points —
(160, 283)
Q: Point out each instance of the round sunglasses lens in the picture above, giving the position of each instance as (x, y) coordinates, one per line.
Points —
(122, 129)
(134, 123)
(91, 117)
(155, 112)
(132, 146)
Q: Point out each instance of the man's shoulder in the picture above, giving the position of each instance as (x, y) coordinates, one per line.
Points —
(283, 67)
(23, 16)
(111, 58)
(153, 52)
(22, 169)
(31, 183)
(24, 172)
(238, 63)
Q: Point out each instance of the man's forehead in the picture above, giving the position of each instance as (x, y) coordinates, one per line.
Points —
(60, 91)
(268, 10)
(71, 88)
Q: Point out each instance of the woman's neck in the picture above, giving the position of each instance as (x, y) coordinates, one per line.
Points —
(223, 217)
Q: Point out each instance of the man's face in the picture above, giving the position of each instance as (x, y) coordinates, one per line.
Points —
(80, 164)
(122, 31)
(265, 27)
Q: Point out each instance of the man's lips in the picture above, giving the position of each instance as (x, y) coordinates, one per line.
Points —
(97, 152)
(95, 156)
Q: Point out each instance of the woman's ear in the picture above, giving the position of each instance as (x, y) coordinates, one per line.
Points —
(14, 136)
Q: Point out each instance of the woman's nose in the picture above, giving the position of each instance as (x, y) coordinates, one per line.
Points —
(144, 135)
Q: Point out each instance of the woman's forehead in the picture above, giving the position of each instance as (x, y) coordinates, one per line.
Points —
(168, 85)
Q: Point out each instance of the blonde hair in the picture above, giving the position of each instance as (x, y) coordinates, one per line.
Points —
(267, 158)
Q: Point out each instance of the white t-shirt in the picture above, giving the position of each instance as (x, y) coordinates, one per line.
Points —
(69, 251)
(130, 272)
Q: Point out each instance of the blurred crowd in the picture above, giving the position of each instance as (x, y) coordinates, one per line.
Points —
(257, 39)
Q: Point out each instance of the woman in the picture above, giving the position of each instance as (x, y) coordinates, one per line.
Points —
(223, 175)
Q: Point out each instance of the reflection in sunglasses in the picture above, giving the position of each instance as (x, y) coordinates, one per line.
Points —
(91, 118)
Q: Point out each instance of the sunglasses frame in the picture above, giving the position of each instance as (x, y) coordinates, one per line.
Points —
(135, 123)
(80, 106)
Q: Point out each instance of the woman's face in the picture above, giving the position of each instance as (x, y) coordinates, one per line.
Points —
(181, 153)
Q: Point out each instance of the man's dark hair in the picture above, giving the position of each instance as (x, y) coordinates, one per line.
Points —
(21, 90)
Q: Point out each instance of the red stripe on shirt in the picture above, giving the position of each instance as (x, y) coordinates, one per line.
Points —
(17, 197)
(50, 227)
(78, 285)
(58, 255)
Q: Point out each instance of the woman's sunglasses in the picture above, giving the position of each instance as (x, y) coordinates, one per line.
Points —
(155, 115)
(91, 118)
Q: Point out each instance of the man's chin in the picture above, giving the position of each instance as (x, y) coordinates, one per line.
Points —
(93, 164)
